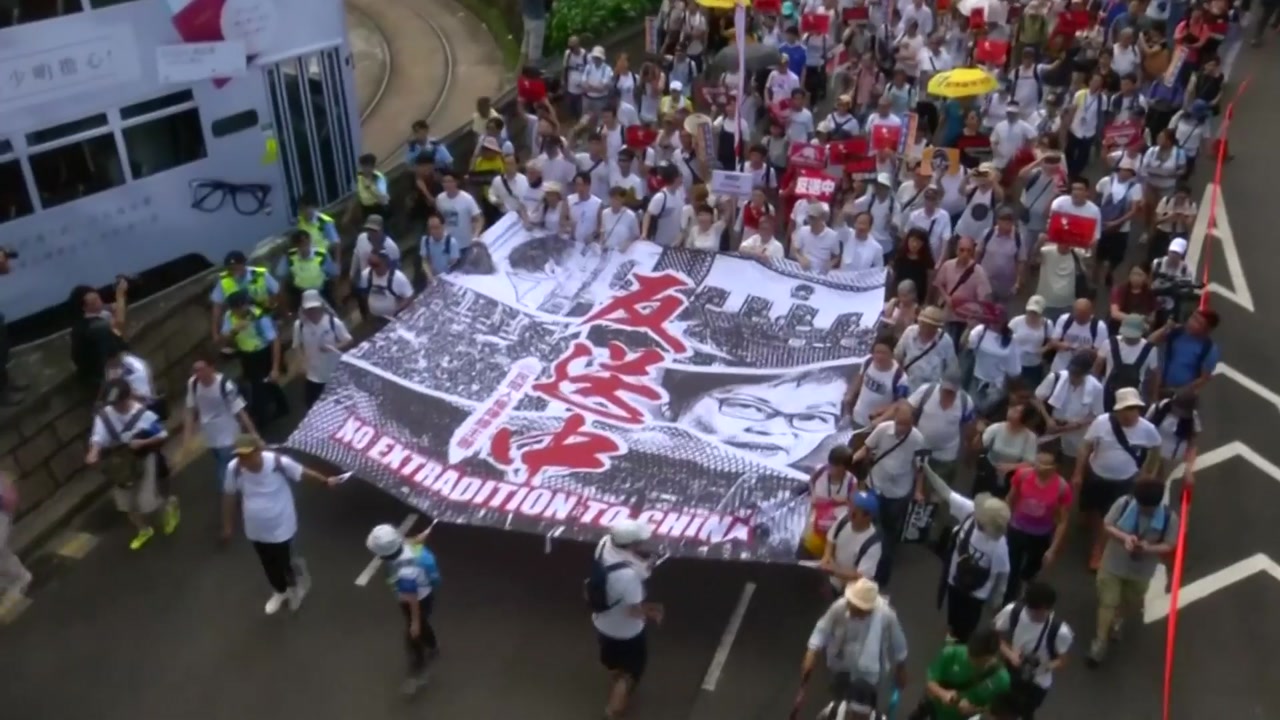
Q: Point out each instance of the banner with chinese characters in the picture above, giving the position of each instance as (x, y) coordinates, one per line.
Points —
(555, 388)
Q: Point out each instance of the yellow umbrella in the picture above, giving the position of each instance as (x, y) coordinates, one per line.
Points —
(722, 4)
(963, 82)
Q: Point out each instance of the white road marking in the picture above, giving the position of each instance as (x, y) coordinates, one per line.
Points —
(1156, 603)
(1248, 383)
(726, 640)
(1206, 586)
(1239, 292)
(367, 574)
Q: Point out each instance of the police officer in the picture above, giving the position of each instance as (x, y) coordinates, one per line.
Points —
(372, 192)
(258, 285)
(307, 267)
(321, 228)
(252, 334)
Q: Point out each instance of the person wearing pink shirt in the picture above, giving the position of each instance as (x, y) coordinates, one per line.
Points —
(960, 280)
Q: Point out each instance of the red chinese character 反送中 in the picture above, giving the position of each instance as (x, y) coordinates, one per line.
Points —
(572, 448)
(648, 307)
(600, 386)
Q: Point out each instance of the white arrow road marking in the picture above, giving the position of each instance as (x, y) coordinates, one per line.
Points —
(1249, 383)
(1156, 604)
(1206, 586)
(1239, 294)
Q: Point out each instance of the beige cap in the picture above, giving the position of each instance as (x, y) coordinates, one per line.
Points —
(862, 594)
(1128, 398)
(932, 315)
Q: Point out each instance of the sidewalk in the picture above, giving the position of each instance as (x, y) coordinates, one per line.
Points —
(442, 59)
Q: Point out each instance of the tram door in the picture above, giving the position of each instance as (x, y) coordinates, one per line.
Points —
(313, 124)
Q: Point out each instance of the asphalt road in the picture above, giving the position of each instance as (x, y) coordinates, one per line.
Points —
(177, 630)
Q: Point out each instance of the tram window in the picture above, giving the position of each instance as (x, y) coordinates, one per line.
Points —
(95, 4)
(55, 133)
(14, 201)
(154, 105)
(164, 143)
(70, 172)
(232, 124)
(28, 11)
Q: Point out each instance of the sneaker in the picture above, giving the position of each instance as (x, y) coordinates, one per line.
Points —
(141, 538)
(274, 603)
(1117, 630)
(1097, 653)
(295, 595)
(172, 515)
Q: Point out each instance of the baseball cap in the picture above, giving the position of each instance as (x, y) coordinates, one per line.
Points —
(246, 444)
(1035, 304)
(1132, 327)
(1178, 245)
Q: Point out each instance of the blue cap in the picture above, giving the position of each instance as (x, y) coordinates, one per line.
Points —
(866, 502)
(788, 8)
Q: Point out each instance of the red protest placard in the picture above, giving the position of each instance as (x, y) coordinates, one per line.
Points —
(978, 311)
(864, 168)
(853, 15)
(767, 7)
(805, 155)
(639, 138)
(842, 152)
(814, 185)
(780, 111)
(1122, 134)
(1071, 230)
(991, 52)
(978, 18)
(886, 137)
(817, 23)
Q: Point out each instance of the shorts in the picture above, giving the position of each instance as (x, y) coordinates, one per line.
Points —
(1116, 592)
(143, 496)
(1112, 247)
(1098, 494)
(628, 656)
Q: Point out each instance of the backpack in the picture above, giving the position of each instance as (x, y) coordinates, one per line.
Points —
(1017, 243)
(928, 393)
(867, 544)
(120, 464)
(1124, 374)
(1162, 517)
(596, 587)
(277, 465)
(1035, 73)
(388, 289)
(1048, 637)
(1066, 327)
(970, 575)
(224, 387)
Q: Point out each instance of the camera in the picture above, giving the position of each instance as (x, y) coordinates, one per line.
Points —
(1179, 290)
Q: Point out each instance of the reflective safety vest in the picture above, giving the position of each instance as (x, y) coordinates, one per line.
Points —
(367, 190)
(307, 272)
(254, 283)
(246, 335)
(315, 228)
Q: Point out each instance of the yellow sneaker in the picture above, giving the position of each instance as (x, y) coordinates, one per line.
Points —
(141, 538)
(172, 516)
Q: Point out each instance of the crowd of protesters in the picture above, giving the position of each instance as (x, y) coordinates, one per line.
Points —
(1002, 161)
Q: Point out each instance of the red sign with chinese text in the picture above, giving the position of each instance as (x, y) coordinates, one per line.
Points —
(843, 152)
(1072, 230)
(639, 137)
(814, 185)
(816, 23)
(886, 137)
(1123, 133)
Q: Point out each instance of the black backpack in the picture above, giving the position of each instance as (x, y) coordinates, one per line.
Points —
(970, 574)
(1127, 375)
(596, 587)
(1049, 638)
(869, 543)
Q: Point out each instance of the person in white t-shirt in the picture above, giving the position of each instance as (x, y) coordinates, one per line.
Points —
(388, 290)
(319, 337)
(1077, 334)
(1010, 136)
(372, 240)
(1060, 265)
(1034, 642)
(621, 567)
(1119, 198)
(661, 222)
(1068, 401)
(1031, 335)
(763, 244)
(876, 387)
(861, 251)
(996, 358)
(1087, 111)
(462, 216)
(1114, 450)
(125, 438)
(618, 226)
(853, 544)
(894, 449)
(257, 483)
(815, 246)
(1178, 422)
(946, 416)
(215, 406)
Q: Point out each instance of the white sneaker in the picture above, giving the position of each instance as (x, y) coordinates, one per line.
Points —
(274, 603)
(295, 595)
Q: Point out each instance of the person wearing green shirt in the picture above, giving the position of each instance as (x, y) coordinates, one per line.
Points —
(964, 680)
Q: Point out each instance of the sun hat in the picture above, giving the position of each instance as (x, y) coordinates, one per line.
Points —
(1128, 398)
(932, 316)
(1132, 327)
(862, 594)
(246, 444)
(1036, 304)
